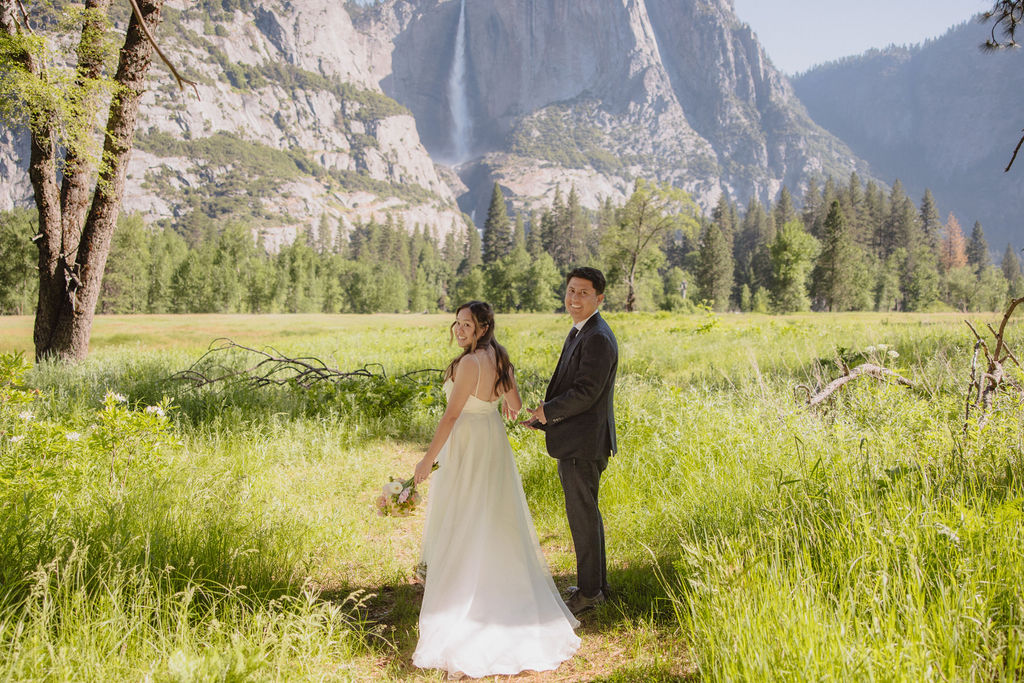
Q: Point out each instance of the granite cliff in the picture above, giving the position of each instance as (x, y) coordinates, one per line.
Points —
(289, 126)
(597, 94)
(316, 108)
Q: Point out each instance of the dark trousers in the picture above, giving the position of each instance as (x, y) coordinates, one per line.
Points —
(580, 479)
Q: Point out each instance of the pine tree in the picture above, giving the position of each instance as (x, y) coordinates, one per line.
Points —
(783, 212)
(931, 224)
(167, 252)
(714, 267)
(534, 245)
(953, 251)
(977, 249)
(19, 279)
(898, 223)
(854, 207)
(1011, 268)
(474, 256)
(792, 256)
(875, 210)
(753, 263)
(519, 234)
(724, 215)
(835, 276)
(497, 240)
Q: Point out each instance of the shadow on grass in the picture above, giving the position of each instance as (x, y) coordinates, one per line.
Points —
(637, 596)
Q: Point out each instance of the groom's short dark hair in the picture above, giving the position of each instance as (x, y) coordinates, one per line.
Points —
(595, 276)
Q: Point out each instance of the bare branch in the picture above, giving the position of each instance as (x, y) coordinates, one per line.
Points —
(182, 81)
(270, 367)
(876, 371)
(1015, 151)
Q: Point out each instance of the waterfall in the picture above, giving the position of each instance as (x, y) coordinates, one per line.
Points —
(458, 100)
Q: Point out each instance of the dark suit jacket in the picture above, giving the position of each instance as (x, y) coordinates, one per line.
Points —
(578, 402)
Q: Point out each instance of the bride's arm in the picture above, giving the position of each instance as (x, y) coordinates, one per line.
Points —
(465, 381)
(512, 403)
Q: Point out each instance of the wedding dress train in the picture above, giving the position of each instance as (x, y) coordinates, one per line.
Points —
(489, 604)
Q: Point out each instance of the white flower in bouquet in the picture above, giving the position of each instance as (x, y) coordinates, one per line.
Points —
(392, 488)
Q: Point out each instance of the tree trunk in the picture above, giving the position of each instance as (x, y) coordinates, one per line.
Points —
(72, 256)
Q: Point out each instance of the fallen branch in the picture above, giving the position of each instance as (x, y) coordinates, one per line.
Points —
(870, 369)
(271, 367)
(982, 387)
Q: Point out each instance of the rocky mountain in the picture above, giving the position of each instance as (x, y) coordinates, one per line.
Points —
(319, 108)
(942, 115)
(289, 127)
(537, 93)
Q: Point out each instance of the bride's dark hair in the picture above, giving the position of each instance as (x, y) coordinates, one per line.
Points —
(483, 318)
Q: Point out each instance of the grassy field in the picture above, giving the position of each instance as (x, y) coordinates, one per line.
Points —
(749, 537)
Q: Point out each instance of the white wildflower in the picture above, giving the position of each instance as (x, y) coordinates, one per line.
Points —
(870, 349)
(155, 410)
(883, 347)
(25, 415)
(120, 398)
(894, 354)
(17, 438)
(73, 436)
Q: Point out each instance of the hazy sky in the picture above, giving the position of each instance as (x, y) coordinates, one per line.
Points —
(798, 34)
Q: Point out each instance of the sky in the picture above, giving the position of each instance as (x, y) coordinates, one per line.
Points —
(798, 34)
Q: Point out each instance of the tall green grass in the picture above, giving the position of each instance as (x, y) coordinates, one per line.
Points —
(871, 538)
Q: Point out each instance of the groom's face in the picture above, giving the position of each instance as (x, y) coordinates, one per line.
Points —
(581, 299)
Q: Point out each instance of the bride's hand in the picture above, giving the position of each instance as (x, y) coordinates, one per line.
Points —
(423, 469)
(507, 411)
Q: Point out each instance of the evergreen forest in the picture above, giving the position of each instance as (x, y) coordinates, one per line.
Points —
(848, 246)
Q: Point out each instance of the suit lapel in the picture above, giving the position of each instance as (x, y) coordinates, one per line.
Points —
(563, 360)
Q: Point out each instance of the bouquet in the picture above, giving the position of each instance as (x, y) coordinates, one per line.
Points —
(398, 498)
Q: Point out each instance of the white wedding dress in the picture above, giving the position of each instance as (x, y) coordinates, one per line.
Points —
(489, 604)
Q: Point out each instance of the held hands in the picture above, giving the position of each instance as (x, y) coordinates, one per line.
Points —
(537, 417)
(507, 411)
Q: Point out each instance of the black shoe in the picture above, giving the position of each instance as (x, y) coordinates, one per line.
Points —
(579, 603)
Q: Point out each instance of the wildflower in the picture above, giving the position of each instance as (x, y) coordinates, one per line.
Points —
(73, 436)
(883, 347)
(17, 438)
(120, 398)
(155, 410)
(870, 349)
(25, 415)
(894, 354)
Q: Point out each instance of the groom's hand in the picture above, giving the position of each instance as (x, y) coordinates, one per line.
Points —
(538, 415)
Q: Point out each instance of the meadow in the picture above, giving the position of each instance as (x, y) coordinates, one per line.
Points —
(154, 531)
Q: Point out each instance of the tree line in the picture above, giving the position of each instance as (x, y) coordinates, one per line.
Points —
(849, 247)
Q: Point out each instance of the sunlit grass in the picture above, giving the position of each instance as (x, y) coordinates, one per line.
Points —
(748, 537)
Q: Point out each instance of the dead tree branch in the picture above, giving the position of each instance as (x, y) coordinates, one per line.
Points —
(870, 369)
(267, 367)
(182, 81)
(982, 387)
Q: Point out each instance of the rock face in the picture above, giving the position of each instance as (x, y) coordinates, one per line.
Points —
(599, 93)
(308, 111)
(290, 126)
(943, 115)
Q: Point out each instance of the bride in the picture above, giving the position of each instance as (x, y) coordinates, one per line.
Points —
(489, 604)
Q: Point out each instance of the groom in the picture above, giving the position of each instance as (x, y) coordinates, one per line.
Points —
(579, 424)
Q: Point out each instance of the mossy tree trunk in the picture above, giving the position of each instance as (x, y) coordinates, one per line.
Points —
(78, 206)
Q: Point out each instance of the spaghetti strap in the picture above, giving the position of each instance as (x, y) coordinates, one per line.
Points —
(479, 371)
